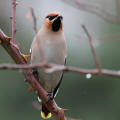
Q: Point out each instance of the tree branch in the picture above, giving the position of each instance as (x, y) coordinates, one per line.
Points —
(55, 67)
(14, 52)
(13, 22)
(35, 30)
(34, 20)
(92, 48)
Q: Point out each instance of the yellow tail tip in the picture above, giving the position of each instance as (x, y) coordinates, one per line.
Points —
(44, 116)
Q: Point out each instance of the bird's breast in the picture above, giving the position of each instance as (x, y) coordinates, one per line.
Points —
(54, 52)
(53, 49)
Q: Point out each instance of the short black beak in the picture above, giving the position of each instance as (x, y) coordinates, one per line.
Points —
(59, 17)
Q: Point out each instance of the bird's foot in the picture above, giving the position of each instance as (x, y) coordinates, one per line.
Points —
(50, 96)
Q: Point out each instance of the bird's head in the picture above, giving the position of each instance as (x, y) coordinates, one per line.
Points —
(53, 21)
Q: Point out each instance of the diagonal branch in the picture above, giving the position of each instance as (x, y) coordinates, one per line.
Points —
(14, 52)
(92, 48)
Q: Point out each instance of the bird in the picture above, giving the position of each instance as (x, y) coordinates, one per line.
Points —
(51, 42)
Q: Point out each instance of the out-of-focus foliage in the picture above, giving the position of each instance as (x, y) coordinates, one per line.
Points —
(96, 98)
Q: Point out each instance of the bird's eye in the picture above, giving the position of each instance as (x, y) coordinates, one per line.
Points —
(51, 17)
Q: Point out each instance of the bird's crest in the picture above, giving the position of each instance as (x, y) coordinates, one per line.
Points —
(53, 14)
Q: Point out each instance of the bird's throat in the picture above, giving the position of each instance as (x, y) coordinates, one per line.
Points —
(56, 25)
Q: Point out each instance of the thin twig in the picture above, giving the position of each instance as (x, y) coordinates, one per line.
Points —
(34, 20)
(14, 22)
(15, 53)
(92, 48)
(36, 37)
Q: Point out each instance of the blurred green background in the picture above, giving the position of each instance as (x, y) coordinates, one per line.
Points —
(97, 98)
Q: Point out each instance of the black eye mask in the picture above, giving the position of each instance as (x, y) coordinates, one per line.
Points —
(51, 17)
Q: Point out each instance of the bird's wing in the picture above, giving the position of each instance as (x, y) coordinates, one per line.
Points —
(55, 91)
(35, 71)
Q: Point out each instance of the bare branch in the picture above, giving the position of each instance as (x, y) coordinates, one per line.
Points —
(14, 52)
(37, 39)
(34, 20)
(55, 67)
(92, 48)
(13, 22)
(16, 55)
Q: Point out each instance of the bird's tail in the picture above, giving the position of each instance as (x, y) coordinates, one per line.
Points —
(45, 113)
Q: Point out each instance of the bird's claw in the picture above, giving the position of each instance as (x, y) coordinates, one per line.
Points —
(50, 96)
